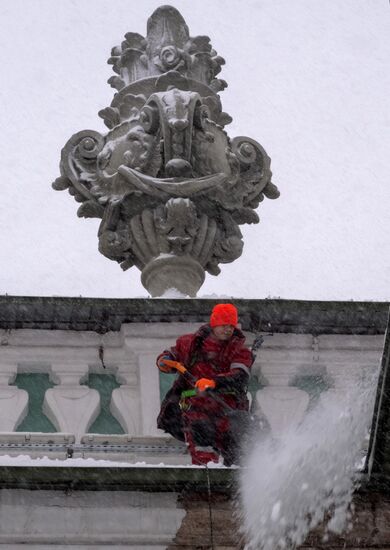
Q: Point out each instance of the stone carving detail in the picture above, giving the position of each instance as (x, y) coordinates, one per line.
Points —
(72, 408)
(169, 184)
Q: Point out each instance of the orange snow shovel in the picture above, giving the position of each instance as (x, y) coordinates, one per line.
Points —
(196, 389)
(190, 378)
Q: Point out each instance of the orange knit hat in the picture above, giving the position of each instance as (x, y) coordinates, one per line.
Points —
(224, 314)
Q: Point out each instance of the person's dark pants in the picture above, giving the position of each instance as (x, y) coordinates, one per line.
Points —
(209, 432)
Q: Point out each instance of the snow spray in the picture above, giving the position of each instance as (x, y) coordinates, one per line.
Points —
(287, 487)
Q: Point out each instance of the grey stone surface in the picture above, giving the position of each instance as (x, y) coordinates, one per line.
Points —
(89, 519)
(169, 184)
(102, 315)
(378, 462)
(132, 478)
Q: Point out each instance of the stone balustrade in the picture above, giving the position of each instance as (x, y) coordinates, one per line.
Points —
(289, 374)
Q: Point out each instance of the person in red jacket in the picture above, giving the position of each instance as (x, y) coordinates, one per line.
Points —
(217, 357)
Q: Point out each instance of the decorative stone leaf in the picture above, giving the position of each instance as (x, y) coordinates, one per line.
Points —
(116, 51)
(199, 44)
(218, 85)
(212, 268)
(127, 264)
(116, 82)
(245, 215)
(61, 183)
(271, 191)
(224, 119)
(134, 40)
(90, 209)
(111, 116)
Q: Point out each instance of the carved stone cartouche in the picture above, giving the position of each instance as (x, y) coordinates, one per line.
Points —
(169, 185)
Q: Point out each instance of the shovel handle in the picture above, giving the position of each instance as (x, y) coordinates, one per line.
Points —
(181, 368)
(175, 365)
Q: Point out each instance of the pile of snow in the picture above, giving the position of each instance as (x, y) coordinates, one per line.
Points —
(173, 293)
(290, 486)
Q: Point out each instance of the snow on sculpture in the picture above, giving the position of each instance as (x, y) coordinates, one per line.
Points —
(169, 184)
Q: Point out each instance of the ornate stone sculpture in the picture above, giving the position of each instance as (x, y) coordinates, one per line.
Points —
(168, 183)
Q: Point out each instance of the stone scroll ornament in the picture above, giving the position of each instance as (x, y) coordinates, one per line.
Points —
(169, 185)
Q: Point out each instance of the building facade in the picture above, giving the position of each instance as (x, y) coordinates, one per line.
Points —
(79, 386)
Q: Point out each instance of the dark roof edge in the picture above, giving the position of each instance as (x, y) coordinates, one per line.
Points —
(151, 478)
(268, 315)
(154, 479)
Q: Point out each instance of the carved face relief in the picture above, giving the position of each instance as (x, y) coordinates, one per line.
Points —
(131, 147)
(143, 153)
(173, 110)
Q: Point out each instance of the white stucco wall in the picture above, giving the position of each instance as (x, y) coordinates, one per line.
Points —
(88, 519)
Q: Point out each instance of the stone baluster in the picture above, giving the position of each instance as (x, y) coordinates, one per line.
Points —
(343, 378)
(72, 408)
(13, 401)
(283, 405)
(125, 403)
(348, 360)
(142, 347)
(279, 361)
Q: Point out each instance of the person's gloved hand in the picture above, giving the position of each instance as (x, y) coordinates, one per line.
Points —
(204, 384)
(163, 367)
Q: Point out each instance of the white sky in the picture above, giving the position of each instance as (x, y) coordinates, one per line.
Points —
(308, 79)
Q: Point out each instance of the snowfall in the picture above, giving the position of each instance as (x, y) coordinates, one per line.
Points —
(309, 80)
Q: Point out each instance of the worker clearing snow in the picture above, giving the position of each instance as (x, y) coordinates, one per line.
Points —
(207, 406)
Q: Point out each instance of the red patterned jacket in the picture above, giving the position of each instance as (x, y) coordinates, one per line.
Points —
(227, 363)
